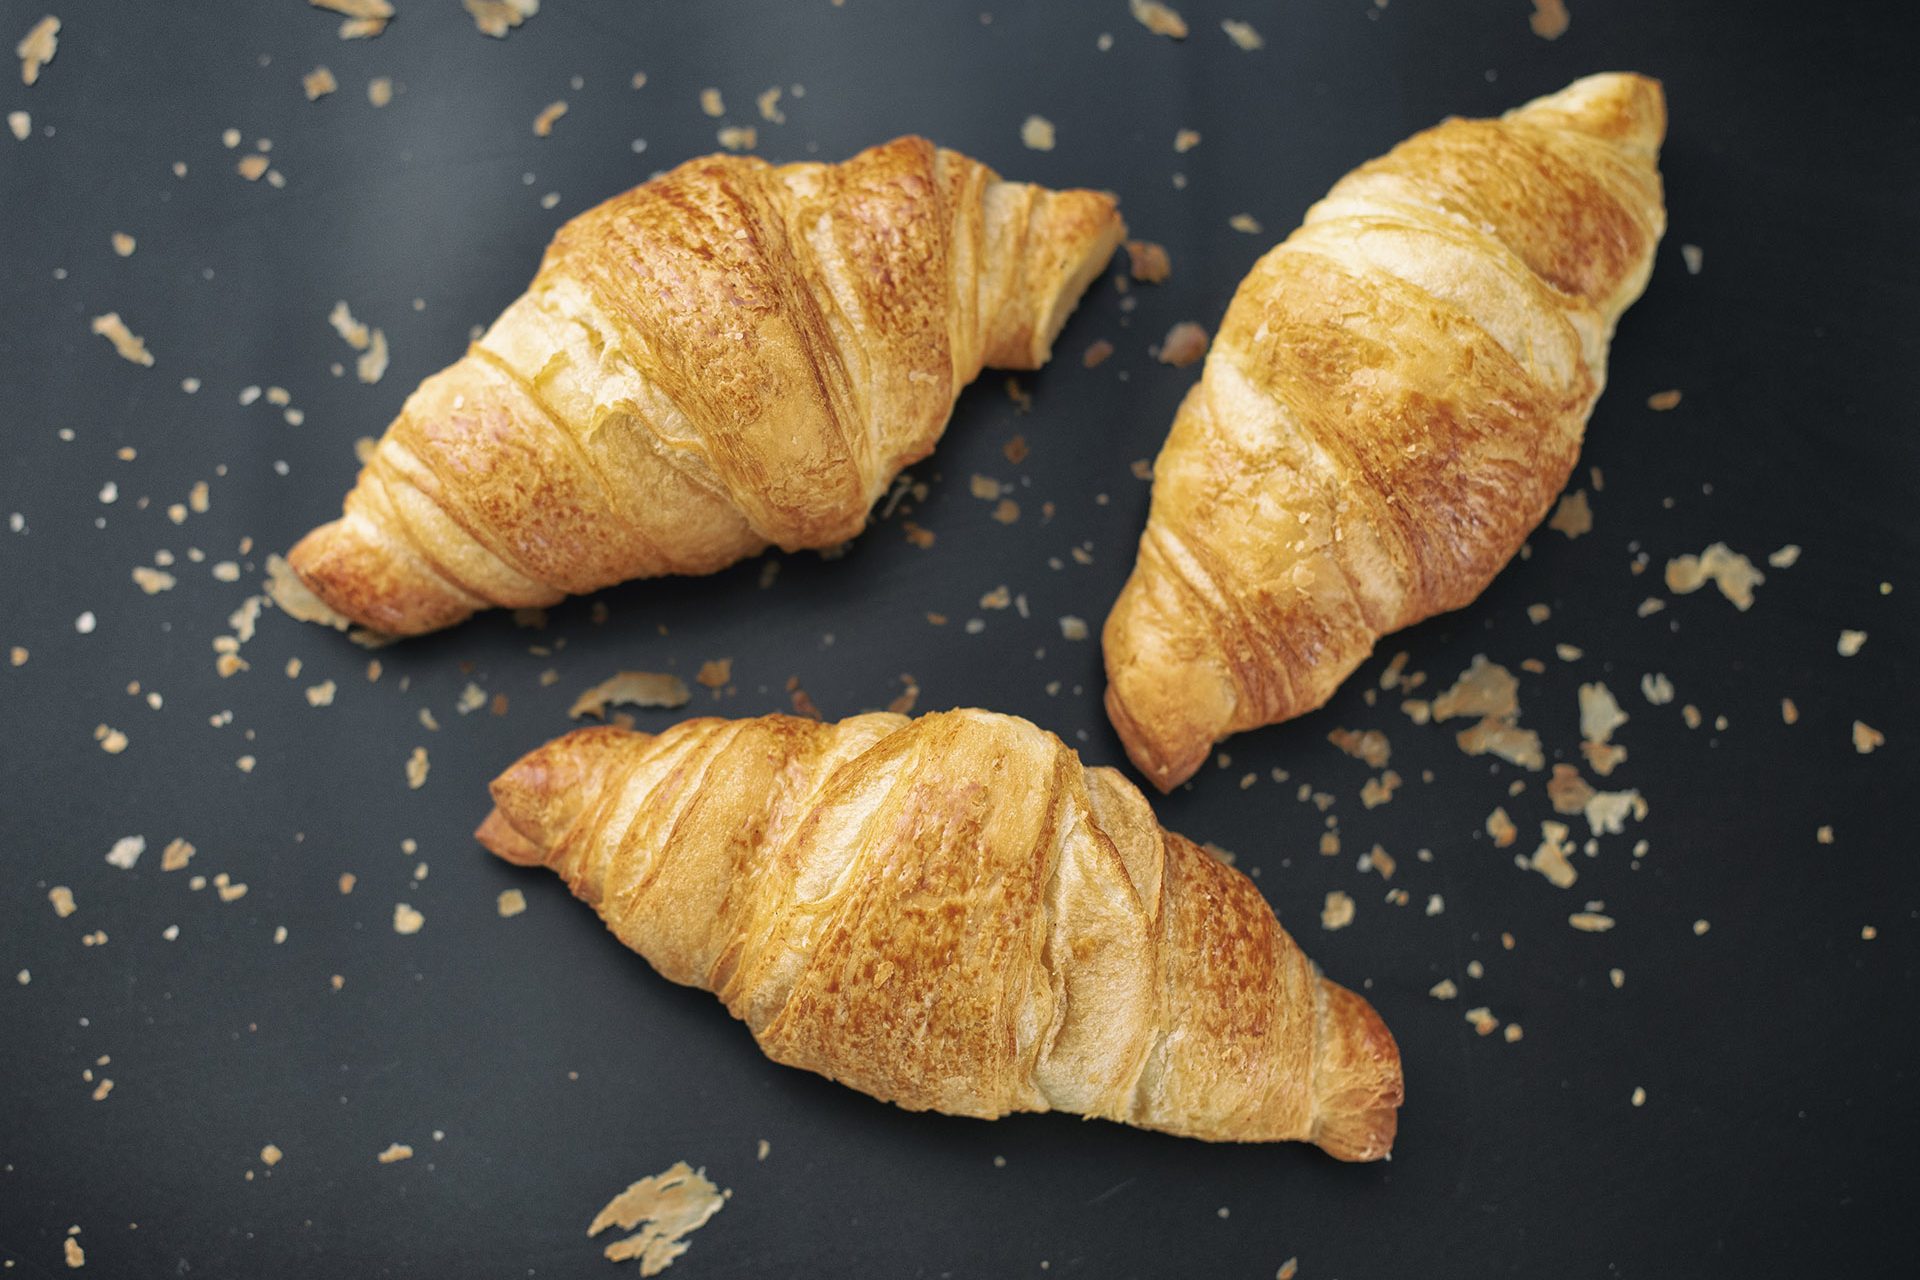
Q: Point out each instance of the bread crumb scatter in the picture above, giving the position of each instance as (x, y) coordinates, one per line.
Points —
(129, 347)
(738, 137)
(1700, 928)
(631, 688)
(112, 741)
(62, 899)
(270, 1155)
(372, 364)
(1573, 516)
(1591, 922)
(1242, 34)
(1550, 858)
(1072, 628)
(768, 104)
(1732, 572)
(1184, 344)
(406, 920)
(1694, 256)
(252, 167)
(667, 1207)
(126, 852)
(497, 17)
(1159, 18)
(1656, 688)
(1867, 934)
(1338, 911)
(1370, 746)
(37, 47)
(1661, 401)
(124, 244)
(380, 90)
(1037, 134)
(762, 1150)
(1866, 738)
(1501, 828)
(549, 114)
(1245, 223)
(1288, 1270)
(318, 83)
(1148, 262)
(712, 103)
(417, 766)
(1185, 140)
(395, 1153)
(1639, 1098)
(510, 903)
(76, 1256)
(1851, 642)
(20, 124)
(176, 855)
(1445, 989)
(1483, 1020)
(365, 19)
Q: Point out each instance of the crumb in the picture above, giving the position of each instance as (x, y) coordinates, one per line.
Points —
(714, 673)
(1185, 140)
(1850, 642)
(1288, 1270)
(372, 364)
(1443, 989)
(365, 19)
(1072, 628)
(549, 114)
(1245, 223)
(1823, 835)
(510, 903)
(76, 1256)
(270, 1155)
(20, 123)
(1550, 859)
(1512, 1033)
(1501, 828)
(497, 17)
(1789, 713)
(1591, 922)
(1243, 34)
(1483, 1020)
(1656, 688)
(1148, 262)
(768, 104)
(1694, 256)
(129, 347)
(712, 103)
(1006, 511)
(1015, 450)
(1700, 928)
(321, 695)
(1661, 401)
(1733, 573)
(123, 244)
(672, 1205)
(1159, 18)
(176, 855)
(112, 741)
(62, 899)
(1036, 133)
(1371, 746)
(36, 50)
(417, 766)
(318, 83)
(631, 688)
(395, 1152)
(347, 881)
(1573, 516)
(1378, 791)
(1866, 738)
(406, 920)
(1639, 1098)
(1338, 911)
(252, 167)
(126, 852)
(380, 90)
(1785, 558)
(1184, 344)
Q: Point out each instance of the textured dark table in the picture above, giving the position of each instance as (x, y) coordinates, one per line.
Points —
(1776, 1050)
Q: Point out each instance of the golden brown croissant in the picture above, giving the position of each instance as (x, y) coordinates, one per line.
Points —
(1396, 395)
(952, 913)
(729, 356)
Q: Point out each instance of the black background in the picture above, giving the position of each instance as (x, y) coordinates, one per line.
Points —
(1777, 1050)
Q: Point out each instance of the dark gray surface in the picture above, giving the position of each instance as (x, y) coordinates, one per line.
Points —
(1776, 1051)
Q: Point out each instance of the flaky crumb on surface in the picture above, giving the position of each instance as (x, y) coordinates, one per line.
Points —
(417, 766)
(1721, 565)
(395, 1152)
(318, 83)
(1242, 34)
(1184, 344)
(37, 47)
(497, 17)
(1866, 738)
(510, 903)
(632, 689)
(667, 1207)
(1550, 858)
(1573, 516)
(1549, 19)
(1148, 262)
(406, 920)
(1161, 19)
(1371, 745)
(1036, 133)
(129, 346)
(549, 115)
(1338, 910)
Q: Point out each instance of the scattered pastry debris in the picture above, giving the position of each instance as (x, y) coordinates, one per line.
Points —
(1490, 691)
(1245, 223)
(1242, 34)
(1338, 911)
(1550, 859)
(176, 855)
(1185, 140)
(672, 1205)
(1036, 133)
(123, 244)
(62, 899)
(549, 114)
(1785, 558)
(1371, 746)
(365, 19)
(712, 103)
(20, 124)
(1866, 738)
(380, 90)
(37, 47)
(126, 852)
(497, 17)
(768, 104)
(417, 766)
(1072, 628)
(111, 327)
(1591, 922)
(1661, 401)
(395, 1152)
(76, 1256)
(1732, 572)
(1483, 1020)
(1549, 19)
(1184, 344)
(1501, 828)
(1851, 642)
(270, 1155)
(1148, 262)
(1573, 516)
(739, 137)
(510, 903)
(318, 83)
(633, 689)
(406, 920)
(1158, 18)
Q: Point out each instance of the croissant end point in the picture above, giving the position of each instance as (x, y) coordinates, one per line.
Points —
(541, 794)
(1358, 1085)
(359, 577)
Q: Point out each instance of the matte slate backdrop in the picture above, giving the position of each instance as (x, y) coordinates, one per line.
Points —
(1776, 1050)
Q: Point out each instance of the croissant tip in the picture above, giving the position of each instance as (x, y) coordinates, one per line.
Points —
(1359, 1080)
(356, 576)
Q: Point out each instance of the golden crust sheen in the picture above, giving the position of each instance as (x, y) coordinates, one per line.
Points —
(1397, 393)
(727, 357)
(952, 913)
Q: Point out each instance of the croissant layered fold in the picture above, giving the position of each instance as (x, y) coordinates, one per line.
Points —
(1395, 397)
(727, 357)
(953, 913)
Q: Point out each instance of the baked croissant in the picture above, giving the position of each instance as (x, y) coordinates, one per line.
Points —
(952, 913)
(1395, 397)
(729, 356)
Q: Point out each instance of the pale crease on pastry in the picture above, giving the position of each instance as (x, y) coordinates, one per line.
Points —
(728, 357)
(1393, 402)
(952, 913)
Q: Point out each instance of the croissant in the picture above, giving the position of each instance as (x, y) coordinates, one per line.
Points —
(953, 914)
(729, 356)
(1395, 397)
